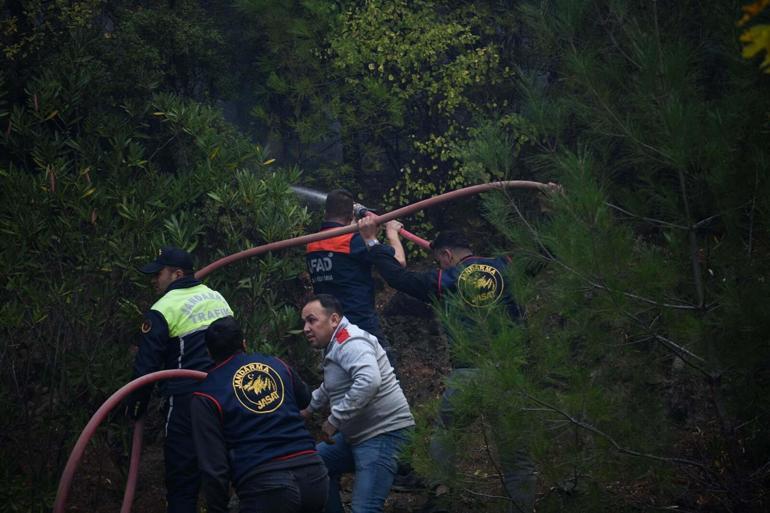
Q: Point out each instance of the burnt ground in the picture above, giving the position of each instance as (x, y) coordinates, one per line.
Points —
(422, 363)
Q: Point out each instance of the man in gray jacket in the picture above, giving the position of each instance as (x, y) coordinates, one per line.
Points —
(370, 420)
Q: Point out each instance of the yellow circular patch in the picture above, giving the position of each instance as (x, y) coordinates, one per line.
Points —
(258, 387)
(480, 285)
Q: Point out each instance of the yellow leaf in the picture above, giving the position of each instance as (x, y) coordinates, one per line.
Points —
(51, 115)
(756, 39)
(751, 10)
(88, 192)
(268, 162)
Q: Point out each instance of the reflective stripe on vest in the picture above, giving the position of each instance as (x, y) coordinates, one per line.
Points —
(191, 309)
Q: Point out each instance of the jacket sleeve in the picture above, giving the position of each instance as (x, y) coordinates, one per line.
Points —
(422, 285)
(301, 391)
(151, 353)
(359, 360)
(319, 398)
(211, 452)
(152, 348)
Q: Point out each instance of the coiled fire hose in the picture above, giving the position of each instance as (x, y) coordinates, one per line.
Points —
(65, 483)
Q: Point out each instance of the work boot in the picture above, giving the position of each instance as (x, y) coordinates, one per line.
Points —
(439, 501)
(406, 479)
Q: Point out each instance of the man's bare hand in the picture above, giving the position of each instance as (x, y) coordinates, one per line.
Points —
(553, 188)
(367, 227)
(306, 413)
(327, 432)
(392, 227)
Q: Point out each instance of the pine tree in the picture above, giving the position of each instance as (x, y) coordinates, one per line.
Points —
(637, 381)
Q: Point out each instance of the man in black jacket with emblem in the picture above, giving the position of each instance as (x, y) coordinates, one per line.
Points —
(248, 430)
(479, 283)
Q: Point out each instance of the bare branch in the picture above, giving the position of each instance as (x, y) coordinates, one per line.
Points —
(485, 495)
(649, 219)
(680, 349)
(614, 443)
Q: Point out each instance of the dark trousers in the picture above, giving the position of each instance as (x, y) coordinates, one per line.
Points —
(182, 474)
(294, 490)
(518, 469)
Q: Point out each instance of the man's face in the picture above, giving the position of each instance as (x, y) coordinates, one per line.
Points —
(319, 326)
(164, 278)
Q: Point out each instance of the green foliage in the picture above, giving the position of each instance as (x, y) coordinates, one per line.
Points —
(644, 283)
(95, 178)
(641, 358)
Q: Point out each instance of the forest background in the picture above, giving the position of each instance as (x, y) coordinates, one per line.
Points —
(639, 378)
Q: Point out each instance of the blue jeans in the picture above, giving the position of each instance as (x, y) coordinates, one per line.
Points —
(374, 462)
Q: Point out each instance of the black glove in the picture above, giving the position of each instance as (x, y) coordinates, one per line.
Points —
(136, 406)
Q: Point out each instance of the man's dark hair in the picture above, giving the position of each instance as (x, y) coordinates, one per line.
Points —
(450, 239)
(329, 303)
(339, 204)
(223, 338)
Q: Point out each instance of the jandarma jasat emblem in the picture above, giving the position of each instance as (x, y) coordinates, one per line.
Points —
(480, 285)
(258, 388)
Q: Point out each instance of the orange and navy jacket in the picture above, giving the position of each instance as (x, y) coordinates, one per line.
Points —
(341, 266)
(246, 414)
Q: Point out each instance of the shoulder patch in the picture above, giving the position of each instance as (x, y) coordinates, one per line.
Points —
(341, 336)
(146, 326)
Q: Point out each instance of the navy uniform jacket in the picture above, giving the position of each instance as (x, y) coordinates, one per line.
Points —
(341, 266)
(478, 281)
(173, 333)
(245, 419)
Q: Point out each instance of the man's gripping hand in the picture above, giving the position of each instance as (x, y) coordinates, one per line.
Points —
(368, 228)
(136, 407)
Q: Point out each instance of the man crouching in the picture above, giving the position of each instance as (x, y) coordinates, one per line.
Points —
(370, 419)
(248, 430)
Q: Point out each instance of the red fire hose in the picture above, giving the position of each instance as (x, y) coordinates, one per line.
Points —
(401, 212)
(65, 482)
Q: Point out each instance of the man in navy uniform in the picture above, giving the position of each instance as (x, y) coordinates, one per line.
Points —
(173, 338)
(248, 431)
(480, 284)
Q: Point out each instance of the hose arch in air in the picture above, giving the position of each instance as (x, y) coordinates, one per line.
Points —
(401, 212)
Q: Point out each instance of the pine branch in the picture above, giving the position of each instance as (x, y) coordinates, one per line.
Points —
(680, 351)
(696, 267)
(649, 219)
(552, 258)
(489, 454)
(614, 443)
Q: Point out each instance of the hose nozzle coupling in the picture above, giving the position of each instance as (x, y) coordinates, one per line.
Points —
(360, 211)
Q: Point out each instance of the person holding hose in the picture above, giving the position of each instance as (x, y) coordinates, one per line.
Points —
(248, 430)
(480, 283)
(340, 266)
(172, 337)
(370, 419)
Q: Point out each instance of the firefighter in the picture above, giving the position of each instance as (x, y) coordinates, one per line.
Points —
(248, 430)
(340, 266)
(172, 337)
(480, 283)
